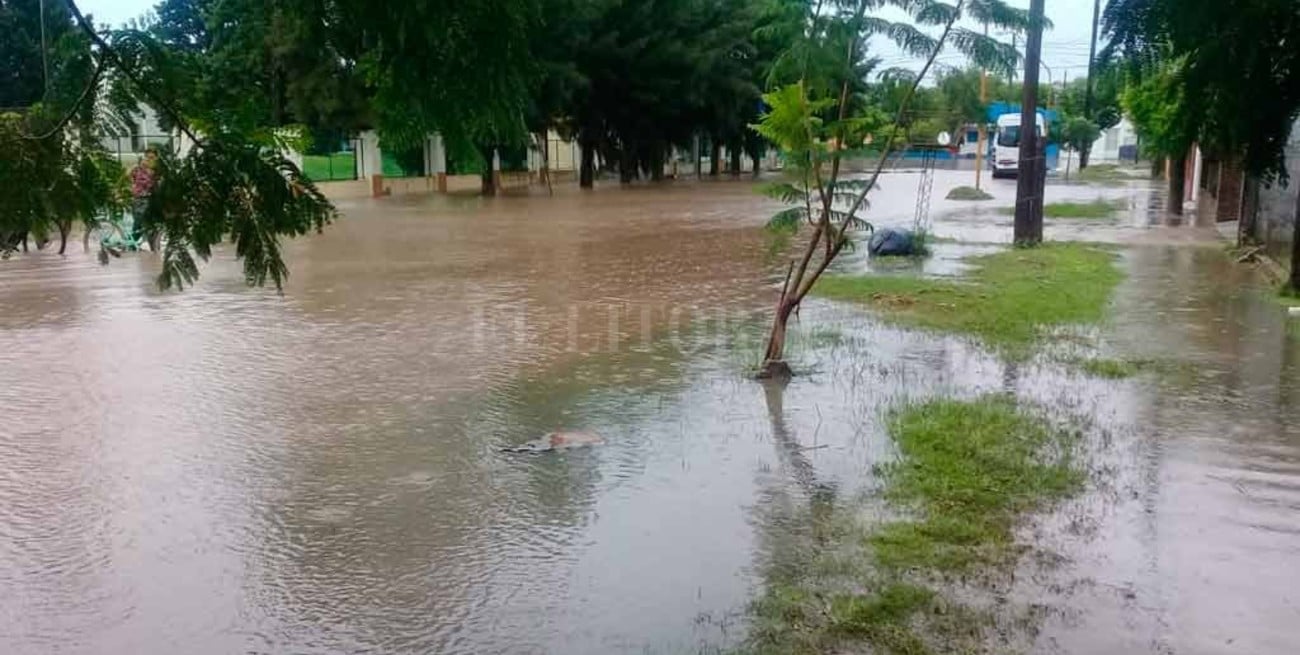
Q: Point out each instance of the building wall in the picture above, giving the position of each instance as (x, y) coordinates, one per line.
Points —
(1276, 213)
(129, 147)
(1106, 148)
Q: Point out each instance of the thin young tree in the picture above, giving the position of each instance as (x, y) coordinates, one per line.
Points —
(818, 121)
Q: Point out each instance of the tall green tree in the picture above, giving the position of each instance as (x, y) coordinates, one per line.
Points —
(54, 173)
(232, 186)
(1237, 62)
(645, 76)
(260, 64)
(1234, 70)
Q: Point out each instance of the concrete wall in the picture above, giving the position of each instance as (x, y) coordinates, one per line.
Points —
(1275, 216)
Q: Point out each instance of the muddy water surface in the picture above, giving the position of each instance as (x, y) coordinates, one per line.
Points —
(227, 470)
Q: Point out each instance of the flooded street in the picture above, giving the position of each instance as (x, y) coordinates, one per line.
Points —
(229, 470)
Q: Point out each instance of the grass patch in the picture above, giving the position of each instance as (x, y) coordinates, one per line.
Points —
(796, 618)
(1103, 174)
(1099, 208)
(746, 343)
(971, 468)
(1114, 369)
(1287, 297)
(1006, 300)
(968, 193)
(967, 473)
(323, 168)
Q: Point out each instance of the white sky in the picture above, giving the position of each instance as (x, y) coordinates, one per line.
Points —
(1065, 48)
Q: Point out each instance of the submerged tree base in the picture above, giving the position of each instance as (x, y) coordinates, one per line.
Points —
(774, 370)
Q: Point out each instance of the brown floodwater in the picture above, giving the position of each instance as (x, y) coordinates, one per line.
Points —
(231, 470)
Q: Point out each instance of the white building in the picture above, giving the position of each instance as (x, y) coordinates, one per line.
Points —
(129, 146)
(1115, 144)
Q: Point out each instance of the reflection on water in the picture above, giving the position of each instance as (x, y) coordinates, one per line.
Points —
(227, 470)
(1200, 555)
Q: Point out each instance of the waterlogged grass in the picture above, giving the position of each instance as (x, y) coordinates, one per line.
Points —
(796, 619)
(968, 472)
(747, 343)
(1115, 369)
(1099, 208)
(1095, 209)
(1103, 174)
(1007, 300)
(968, 193)
(970, 468)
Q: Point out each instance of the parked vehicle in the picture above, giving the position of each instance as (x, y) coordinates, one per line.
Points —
(1006, 145)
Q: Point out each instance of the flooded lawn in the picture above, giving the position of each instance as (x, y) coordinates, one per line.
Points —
(228, 470)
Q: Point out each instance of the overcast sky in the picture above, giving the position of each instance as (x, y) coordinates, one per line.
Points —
(1065, 48)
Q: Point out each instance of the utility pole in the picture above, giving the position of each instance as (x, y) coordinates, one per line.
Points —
(1011, 77)
(1087, 92)
(1030, 177)
(984, 119)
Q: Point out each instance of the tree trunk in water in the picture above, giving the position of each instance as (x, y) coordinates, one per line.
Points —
(545, 174)
(1084, 153)
(487, 179)
(587, 175)
(1177, 179)
(64, 229)
(774, 365)
(626, 166)
(657, 164)
(735, 162)
(758, 164)
(1249, 215)
(1295, 248)
(715, 157)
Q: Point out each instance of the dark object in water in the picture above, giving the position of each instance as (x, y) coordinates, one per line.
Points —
(557, 441)
(890, 242)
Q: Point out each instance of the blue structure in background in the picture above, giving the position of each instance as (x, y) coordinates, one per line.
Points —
(995, 109)
(1049, 116)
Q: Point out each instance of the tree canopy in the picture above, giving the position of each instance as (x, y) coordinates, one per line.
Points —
(629, 79)
(1236, 64)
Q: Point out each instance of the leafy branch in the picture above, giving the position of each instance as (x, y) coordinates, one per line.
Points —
(796, 121)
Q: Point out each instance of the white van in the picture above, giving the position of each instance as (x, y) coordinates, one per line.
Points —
(1006, 147)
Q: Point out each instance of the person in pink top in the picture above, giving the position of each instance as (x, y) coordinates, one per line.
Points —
(144, 177)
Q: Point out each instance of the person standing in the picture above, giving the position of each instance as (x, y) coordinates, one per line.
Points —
(144, 178)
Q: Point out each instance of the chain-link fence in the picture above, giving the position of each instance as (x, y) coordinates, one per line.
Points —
(333, 163)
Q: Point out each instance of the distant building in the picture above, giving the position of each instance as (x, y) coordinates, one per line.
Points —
(1119, 143)
(129, 145)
